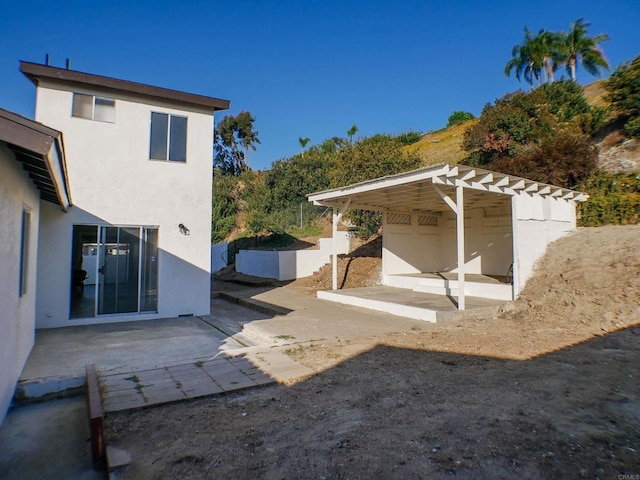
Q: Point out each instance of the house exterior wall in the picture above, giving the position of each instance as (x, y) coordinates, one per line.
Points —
(17, 314)
(113, 182)
(538, 221)
(417, 248)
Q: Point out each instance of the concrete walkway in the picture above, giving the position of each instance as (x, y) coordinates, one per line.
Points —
(159, 361)
(173, 382)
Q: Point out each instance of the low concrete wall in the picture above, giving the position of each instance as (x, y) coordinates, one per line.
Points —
(219, 256)
(289, 264)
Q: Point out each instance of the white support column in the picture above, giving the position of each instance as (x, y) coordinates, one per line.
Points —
(334, 256)
(460, 243)
(515, 271)
(334, 243)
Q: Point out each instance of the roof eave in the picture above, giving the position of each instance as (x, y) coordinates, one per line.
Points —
(35, 72)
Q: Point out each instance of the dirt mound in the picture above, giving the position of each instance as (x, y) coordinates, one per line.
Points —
(360, 268)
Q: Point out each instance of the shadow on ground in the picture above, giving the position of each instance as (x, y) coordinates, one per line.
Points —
(395, 412)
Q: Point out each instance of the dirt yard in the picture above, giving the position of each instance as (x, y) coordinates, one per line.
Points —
(547, 389)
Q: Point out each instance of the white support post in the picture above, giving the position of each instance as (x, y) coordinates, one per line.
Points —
(460, 243)
(334, 243)
(334, 256)
(515, 270)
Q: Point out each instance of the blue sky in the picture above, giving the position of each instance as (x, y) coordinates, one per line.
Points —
(304, 68)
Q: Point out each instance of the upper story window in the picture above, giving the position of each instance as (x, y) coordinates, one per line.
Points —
(94, 108)
(168, 137)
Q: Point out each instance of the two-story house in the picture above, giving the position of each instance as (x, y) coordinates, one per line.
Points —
(136, 243)
(105, 203)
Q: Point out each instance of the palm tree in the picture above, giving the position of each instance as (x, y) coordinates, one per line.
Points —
(351, 132)
(526, 59)
(303, 143)
(550, 43)
(578, 47)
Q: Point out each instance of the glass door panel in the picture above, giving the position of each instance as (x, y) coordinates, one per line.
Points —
(118, 260)
(84, 271)
(149, 277)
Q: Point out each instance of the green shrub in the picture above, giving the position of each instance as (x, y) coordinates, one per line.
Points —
(563, 160)
(613, 199)
(623, 91)
(459, 117)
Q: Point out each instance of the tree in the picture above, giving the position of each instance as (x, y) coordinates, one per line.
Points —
(366, 159)
(550, 44)
(623, 91)
(303, 143)
(577, 47)
(234, 139)
(459, 117)
(519, 123)
(351, 132)
(526, 59)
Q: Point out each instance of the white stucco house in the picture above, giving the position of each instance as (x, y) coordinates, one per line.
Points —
(120, 228)
(32, 173)
(455, 230)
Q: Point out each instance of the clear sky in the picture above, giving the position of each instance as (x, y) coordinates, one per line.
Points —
(304, 68)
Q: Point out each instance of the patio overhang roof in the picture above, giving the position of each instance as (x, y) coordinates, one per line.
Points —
(417, 190)
(40, 149)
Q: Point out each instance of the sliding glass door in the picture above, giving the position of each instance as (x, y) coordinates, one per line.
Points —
(114, 270)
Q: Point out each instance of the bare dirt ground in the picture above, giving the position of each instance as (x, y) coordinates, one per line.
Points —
(547, 389)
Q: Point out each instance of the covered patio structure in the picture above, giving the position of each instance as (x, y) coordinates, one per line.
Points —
(454, 231)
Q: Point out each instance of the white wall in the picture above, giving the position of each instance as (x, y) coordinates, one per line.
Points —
(411, 248)
(16, 313)
(538, 222)
(219, 256)
(290, 264)
(113, 182)
(417, 248)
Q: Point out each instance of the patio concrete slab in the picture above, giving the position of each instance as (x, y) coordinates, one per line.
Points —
(315, 320)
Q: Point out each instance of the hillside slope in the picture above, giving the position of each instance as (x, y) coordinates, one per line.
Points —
(441, 146)
(617, 153)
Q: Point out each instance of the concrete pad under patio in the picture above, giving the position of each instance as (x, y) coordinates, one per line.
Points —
(408, 303)
(312, 319)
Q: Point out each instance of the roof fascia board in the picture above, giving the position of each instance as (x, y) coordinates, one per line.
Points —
(35, 72)
(378, 184)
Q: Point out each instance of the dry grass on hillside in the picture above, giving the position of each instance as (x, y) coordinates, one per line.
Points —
(594, 92)
(442, 146)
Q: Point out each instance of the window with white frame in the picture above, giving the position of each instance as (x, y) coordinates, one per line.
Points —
(24, 250)
(94, 108)
(168, 137)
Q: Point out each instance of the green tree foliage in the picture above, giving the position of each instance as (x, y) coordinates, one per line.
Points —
(366, 159)
(225, 206)
(408, 138)
(577, 47)
(459, 117)
(303, 141)
(291, 179)
(623, 91)
(543, 135)
(539, 56)
(526, 60)
(613, 198)
(563, 160)
(351, 132)
(234, 139)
